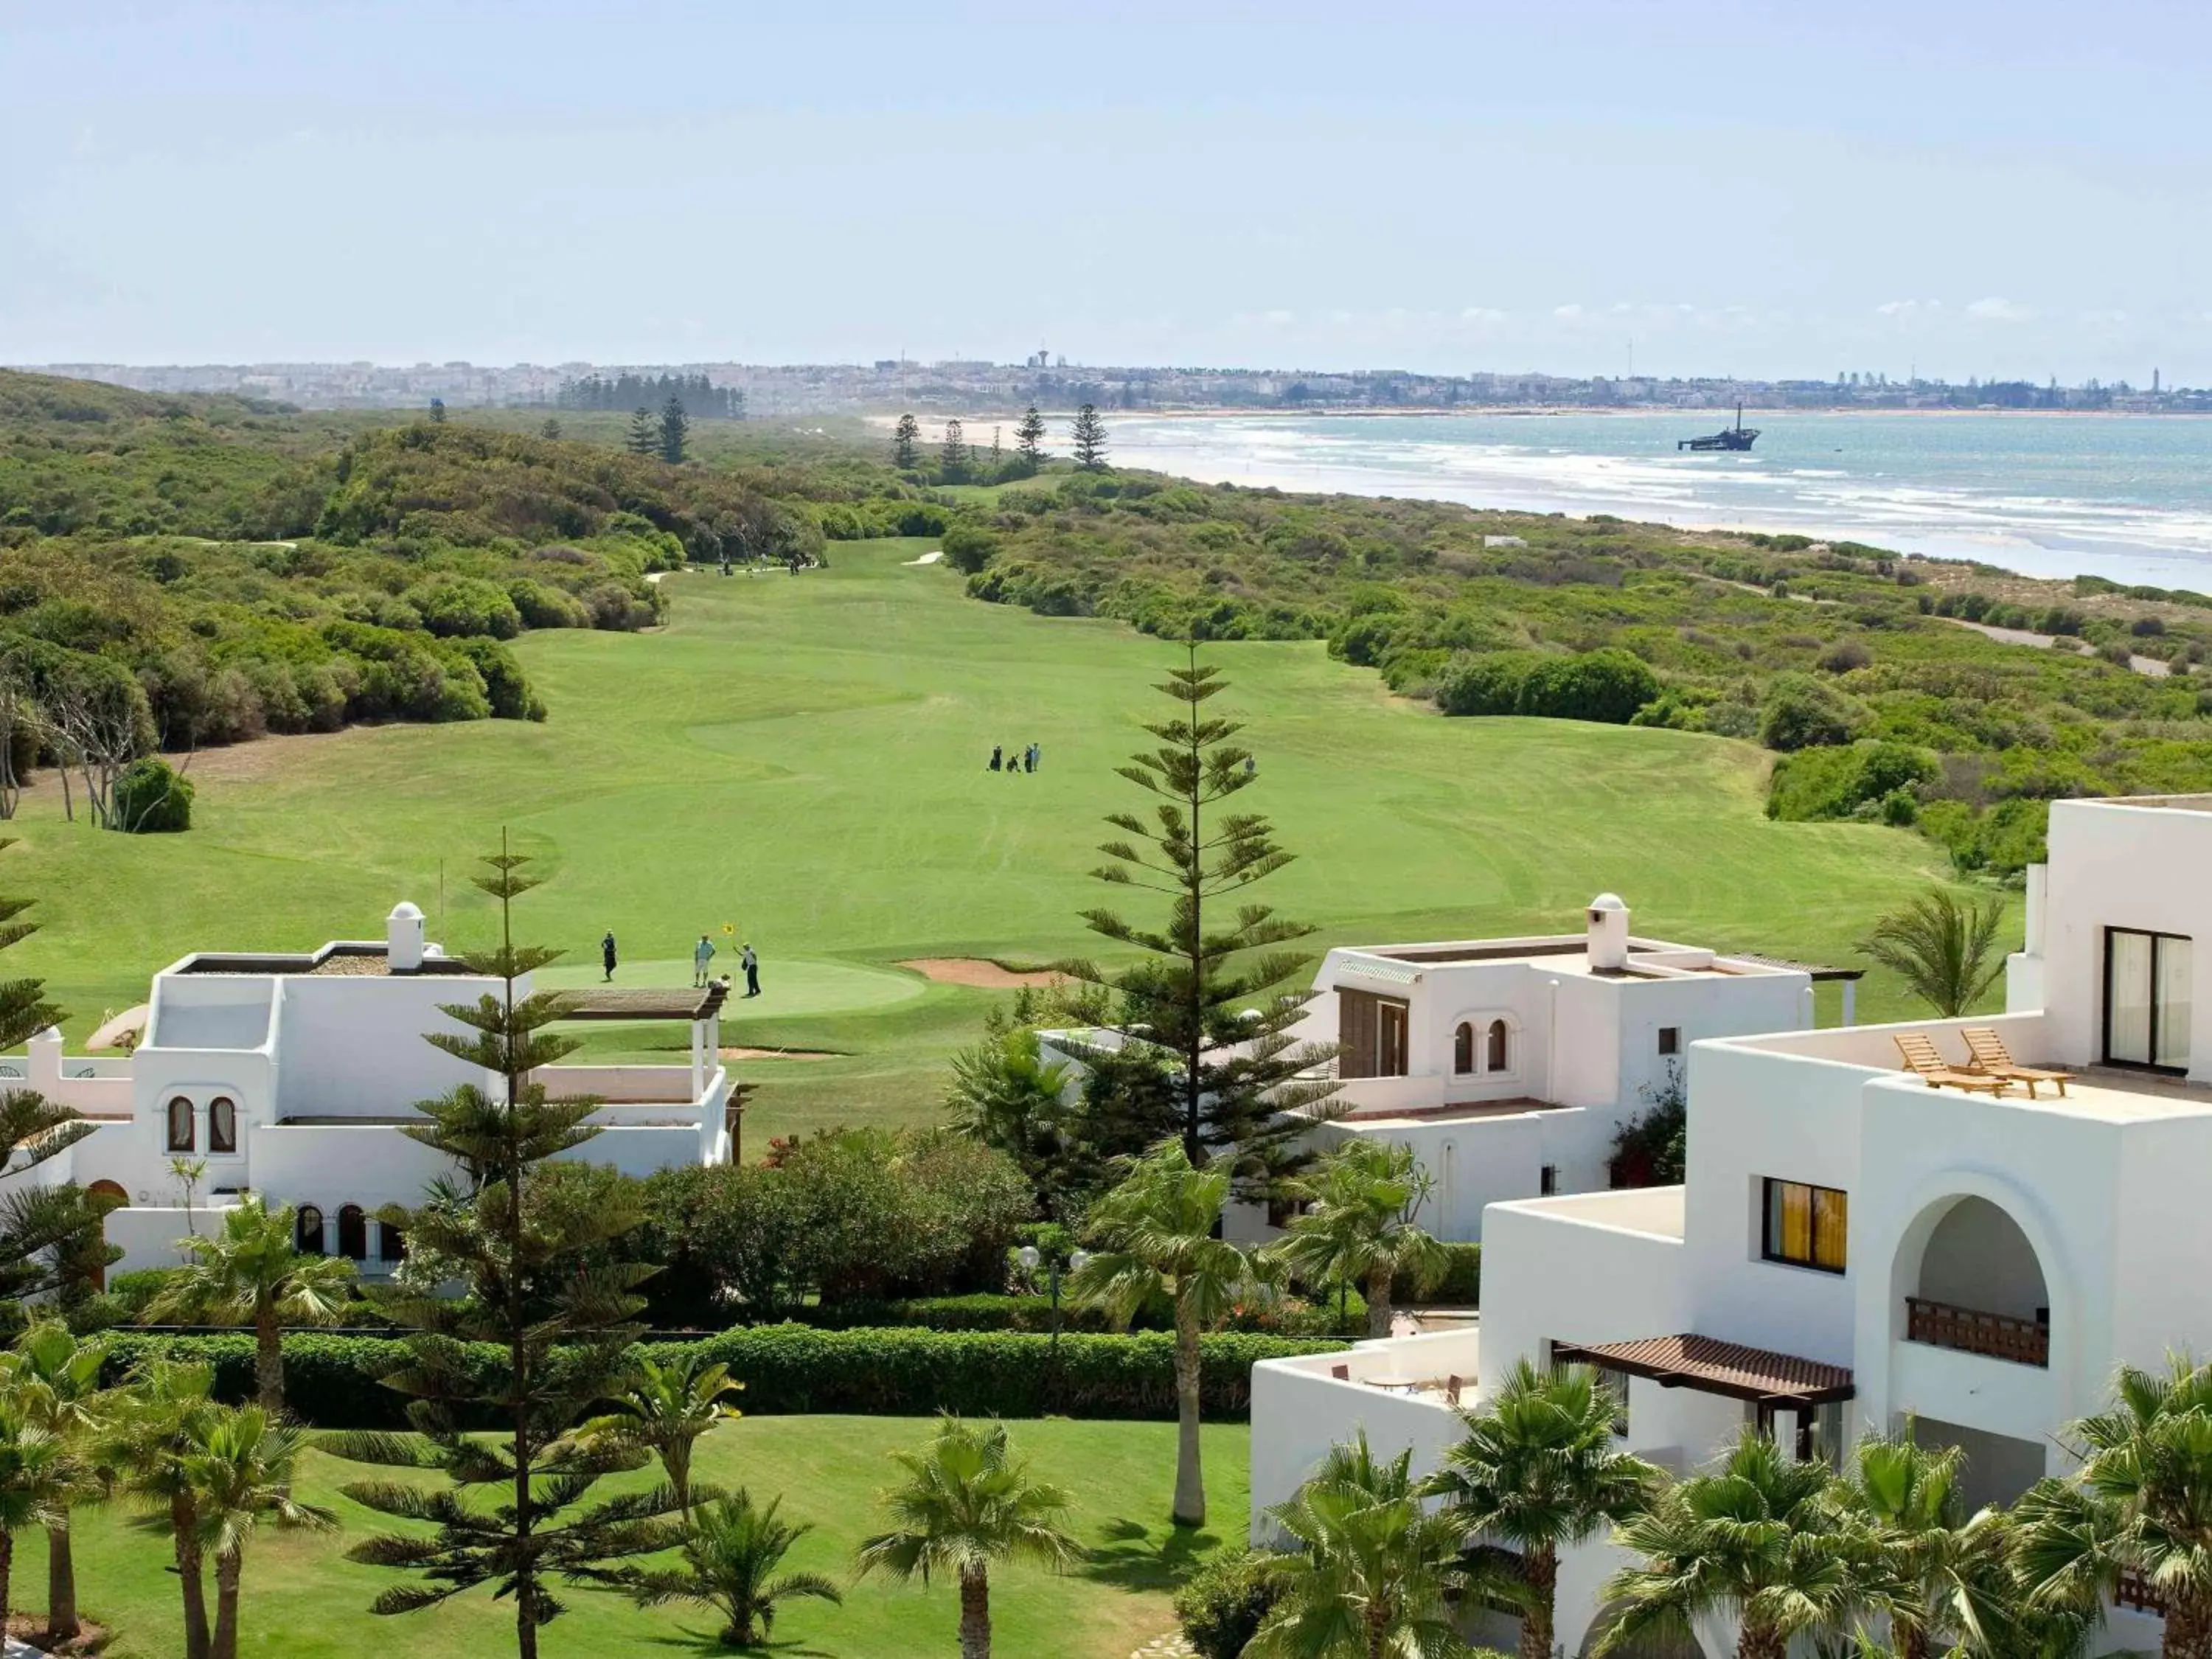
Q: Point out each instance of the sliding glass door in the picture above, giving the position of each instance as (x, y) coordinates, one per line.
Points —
(2147, 997)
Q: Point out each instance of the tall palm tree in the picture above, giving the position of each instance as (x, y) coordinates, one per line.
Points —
(1375, 1572)
(1941, 948)
(1156, 1233)
(730, 1560)
(967, 1502)
(1537, 1469)
(2140, 1504)
(249, 1272)
(664, 1410)
(141, 1446)
(37, 1477)
(237, 1461)
(55, 1376)
(1757, 1538)
(1948, 1583)
(1361, 1230)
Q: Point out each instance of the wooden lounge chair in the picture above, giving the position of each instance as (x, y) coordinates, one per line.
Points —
(1992, 1057)
(1452, 1386)
(1924, 1061)
(1341, 1373)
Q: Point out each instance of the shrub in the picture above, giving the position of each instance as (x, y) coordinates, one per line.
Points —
(1843, 656)
(151, 798)
(335, 1382)
(968, 548)
(1485, 683)
(1460, 1287)
(460, 606)
(1834, 782)
(1607, 686)
(1801, 713)
(1221, 1605)
(540, 606)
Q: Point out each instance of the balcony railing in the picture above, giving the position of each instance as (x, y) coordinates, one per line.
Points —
(2134, 1590)
(1972, 1330)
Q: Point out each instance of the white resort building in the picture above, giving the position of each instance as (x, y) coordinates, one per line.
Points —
(294, 1076)
(1856, 1249)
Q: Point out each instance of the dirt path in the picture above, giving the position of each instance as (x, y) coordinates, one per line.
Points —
(976, 972)
(2151, 667)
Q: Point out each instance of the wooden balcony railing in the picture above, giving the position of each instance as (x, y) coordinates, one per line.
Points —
(1971, 1330)
(2134, 1590)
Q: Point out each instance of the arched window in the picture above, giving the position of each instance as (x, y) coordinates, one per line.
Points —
(1497, 1059)
(353, 1233)
(390, 1242)
(307, 1231)
(180, 1124)
(1463, 1048)
(223, 1125)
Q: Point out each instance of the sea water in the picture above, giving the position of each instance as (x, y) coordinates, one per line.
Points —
(2126, 497)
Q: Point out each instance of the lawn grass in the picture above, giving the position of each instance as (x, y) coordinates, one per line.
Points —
(801, 758)
(303, 1601)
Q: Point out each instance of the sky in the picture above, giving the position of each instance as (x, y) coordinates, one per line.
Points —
(1995, 188)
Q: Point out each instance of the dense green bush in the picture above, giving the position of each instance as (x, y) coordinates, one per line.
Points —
(1800, 712)
(1837, 782)
(1607, 686)
(999, 1311)
(968, 548)
(335, 1382)
(1460, 1287)
(151, 798)
(1221, 1605)
(457, 605)
(1485, 683)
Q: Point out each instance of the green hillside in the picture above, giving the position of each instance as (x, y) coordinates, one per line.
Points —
(802, 757)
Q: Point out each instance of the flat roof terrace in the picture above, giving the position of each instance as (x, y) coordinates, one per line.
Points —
(1569, 953)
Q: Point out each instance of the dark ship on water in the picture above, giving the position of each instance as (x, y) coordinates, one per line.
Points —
(1738, 436)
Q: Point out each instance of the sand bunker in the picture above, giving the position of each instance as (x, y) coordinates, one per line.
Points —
(779, 1054)
(930, 557)
(977, 972)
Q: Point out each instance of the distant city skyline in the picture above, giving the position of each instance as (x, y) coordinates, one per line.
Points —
(1961, 188)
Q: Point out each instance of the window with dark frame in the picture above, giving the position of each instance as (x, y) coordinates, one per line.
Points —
(1670, 1039)
(353, 1233)
(1805, 1225)
(180, 1124)
(1547, 1180)
(307, 1231)
(222, 1124)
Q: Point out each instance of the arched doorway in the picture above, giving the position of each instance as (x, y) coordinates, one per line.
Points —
(112, 1196)
(307, 1231)
(353, 1233)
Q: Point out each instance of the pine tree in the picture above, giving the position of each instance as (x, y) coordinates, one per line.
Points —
(438, 411)
(49, 1234)
(1089, 439)
(1028, 441)
(675, 429)
(952, 461)
(1222, 1015)
(644, 437)
(532, 1288)
(550, 429)
(905, 436)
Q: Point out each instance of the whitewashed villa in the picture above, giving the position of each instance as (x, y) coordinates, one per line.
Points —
(293, 1075)
(1855, 1249)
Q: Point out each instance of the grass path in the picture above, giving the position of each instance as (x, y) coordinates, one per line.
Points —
(303, 1601)
(802, 758)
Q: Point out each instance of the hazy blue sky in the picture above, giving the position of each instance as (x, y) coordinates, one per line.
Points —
(1992, 187)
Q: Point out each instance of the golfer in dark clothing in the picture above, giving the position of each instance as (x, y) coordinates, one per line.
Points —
(997, 751)
(751, 964)
(607, 954)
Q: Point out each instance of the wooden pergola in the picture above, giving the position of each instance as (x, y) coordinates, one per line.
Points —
(1773, 1382)
(700, 1005)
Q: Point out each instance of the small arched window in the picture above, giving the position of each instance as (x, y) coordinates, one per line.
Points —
(1463, 1048)
(390, 1242)
(1497, 1057)
(353, 1233)
(307, 1231)
(223, 1125)
(180, 1124)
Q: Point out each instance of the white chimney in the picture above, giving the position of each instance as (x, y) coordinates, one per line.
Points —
(1608, 933)
(403, 936)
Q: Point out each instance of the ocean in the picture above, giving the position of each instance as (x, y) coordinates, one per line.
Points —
(2125, 497)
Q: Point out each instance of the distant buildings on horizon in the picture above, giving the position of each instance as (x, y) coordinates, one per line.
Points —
(1050, 382)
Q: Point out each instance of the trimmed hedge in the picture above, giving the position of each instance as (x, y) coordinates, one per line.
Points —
(997, 1311)
(332, 1382)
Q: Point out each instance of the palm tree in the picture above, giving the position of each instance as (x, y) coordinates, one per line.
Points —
(967, 1502)
(56, 1377)
(730, 1562)
(1949, 1578)
(1376, 1571)
(141, 1446)
(237, 1461)
(1760, 1538)
(1538, 1469)
(665, 1411)
(37, 1477)
(250, 1273)
(1360, 1229)
(1156, 1232)
(2140, 1504)
(1941, 948)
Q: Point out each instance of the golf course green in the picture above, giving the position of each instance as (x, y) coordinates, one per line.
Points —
(801, 760)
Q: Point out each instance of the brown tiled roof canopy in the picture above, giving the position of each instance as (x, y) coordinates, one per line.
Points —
(663, 1002)
(1712, 1366)
(1816, 971)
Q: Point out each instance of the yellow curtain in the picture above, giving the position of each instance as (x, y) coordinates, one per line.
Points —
(1793, 1235)
(1831, 1225)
